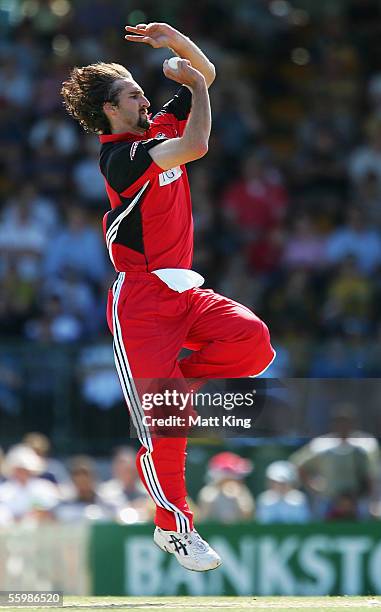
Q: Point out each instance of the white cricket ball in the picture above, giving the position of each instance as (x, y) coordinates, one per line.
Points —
(173, 62)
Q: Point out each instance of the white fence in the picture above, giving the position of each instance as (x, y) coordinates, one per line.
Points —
(48, 557)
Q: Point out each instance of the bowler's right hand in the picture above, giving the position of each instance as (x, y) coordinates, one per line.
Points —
(185, 73)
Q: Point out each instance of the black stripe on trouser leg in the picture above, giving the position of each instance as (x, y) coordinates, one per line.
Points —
(123, 374)
(146, 460)
(128, 397)
(118, 335)
(135, 407)
(156, 494)
(181, 520)
(118, 339)
(150, 479)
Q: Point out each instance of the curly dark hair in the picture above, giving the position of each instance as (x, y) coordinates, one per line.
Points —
(86, 91)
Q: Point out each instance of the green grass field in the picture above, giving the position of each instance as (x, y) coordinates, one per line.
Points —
(215, 604)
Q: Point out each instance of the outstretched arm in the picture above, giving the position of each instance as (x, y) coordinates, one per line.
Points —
(163, 35)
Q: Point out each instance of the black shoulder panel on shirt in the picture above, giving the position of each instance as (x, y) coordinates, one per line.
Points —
(180, 105)
(123, 163)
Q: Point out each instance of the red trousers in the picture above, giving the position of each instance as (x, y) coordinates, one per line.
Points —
(151, 324)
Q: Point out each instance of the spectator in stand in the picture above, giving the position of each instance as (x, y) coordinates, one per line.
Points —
(226, 498)
(55, 128)
(47, 88)
(24, 493)
(26, 50)
(77, 296)
(10, 386)
(15, 86)
(88, 181)
(50, 168)
(305, 247)
(373, 361)
(236, 119)
(100, 386)
(264, 254)
(282, 502)
(349, 299)
(369, 198)
(343, 508)
(95, 17)
(257, 201)
(6, 517)
(41, 209)
(334, 360)
(54, 470)
(323, 113)
(293, 301)
(81, 500)
(124, 492)
(338, 465)
(367, 158)
(18, 298)
(23, 240)
(101, 410)
(374, 93)
(358, 239)
(12, 162)
(319, 169)
(260, 19)
(54, 324)
(203, 205)
(79, 246)
(235, 285)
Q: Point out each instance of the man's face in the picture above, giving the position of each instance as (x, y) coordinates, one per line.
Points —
(131, 112)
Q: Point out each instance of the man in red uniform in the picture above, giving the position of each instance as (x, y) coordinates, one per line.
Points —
(156, 305)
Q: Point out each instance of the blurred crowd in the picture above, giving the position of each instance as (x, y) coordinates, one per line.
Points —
(335, 477)
(287, 204)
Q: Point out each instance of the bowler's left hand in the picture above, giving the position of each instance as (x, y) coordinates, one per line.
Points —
(155, 34)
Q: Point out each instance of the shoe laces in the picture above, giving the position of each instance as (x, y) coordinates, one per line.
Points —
(197, 541)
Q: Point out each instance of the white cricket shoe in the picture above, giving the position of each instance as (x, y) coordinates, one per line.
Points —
(191, 551)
